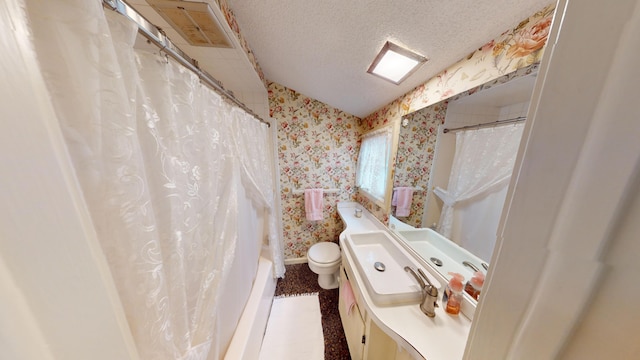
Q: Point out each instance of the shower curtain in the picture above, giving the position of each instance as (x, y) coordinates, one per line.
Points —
(161, 160)
(480, 174)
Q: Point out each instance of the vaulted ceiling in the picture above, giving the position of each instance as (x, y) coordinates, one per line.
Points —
(322, 49)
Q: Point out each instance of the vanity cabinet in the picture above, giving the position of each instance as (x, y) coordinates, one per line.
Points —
(352, 323)
(389, 332)
(365, 339)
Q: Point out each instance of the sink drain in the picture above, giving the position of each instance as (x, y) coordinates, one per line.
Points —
(379, 266)
(436, 261)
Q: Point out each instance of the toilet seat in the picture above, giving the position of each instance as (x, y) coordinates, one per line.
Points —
(324, 253)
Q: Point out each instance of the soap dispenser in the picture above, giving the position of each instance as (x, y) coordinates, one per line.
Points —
(452, 297)
(474, 286)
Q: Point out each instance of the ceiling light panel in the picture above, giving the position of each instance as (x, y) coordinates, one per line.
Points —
(395, 63)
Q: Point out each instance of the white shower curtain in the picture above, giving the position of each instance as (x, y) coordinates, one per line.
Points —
(482, 167)
(159, 157)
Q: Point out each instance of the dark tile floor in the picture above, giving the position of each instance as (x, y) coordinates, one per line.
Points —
(299, 279)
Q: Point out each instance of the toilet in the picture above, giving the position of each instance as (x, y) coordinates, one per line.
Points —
(324, 259)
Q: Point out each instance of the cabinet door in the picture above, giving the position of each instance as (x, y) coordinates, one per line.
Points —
(379, 346)
(403, 355)
(352, 323)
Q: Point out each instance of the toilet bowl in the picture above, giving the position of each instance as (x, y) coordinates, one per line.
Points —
(324, 259)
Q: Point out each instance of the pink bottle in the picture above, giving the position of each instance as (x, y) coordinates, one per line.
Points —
(452, 297)
(474, 286)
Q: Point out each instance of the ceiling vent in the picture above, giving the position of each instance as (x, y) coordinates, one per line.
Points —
(194, 21)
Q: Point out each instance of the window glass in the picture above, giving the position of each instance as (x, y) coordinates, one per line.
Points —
(373, 163)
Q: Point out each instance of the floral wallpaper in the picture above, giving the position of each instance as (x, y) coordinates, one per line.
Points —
(416, 147)
(318, 144)
(517, 48)
(497, 81)
(317, 148)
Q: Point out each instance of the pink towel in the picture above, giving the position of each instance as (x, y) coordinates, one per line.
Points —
(313, 204)
(402, 197)
(348, 297)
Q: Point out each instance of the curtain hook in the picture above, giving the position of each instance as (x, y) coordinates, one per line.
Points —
(162, 52)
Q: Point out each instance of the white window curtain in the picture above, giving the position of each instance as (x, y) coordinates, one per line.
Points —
(160, 158)
(482, 166)
(373, 162)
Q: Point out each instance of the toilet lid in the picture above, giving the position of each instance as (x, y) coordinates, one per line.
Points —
(324, 252)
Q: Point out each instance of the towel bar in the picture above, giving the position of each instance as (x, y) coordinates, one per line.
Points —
(326, 191)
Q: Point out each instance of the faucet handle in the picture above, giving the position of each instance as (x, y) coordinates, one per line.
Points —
(470, 265)
(429, 292)
(425, 276)
(418, 279)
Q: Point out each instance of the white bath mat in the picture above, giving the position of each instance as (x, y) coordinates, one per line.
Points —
(294, 330)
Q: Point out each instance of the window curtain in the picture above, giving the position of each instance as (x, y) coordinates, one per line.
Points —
(373, 162)
(482, 165)
(159, 158)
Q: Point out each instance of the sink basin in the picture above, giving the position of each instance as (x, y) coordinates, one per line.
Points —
(429, 244)
(393, 285)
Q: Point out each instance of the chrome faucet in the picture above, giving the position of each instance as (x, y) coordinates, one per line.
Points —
(429, 292)
(466, 263)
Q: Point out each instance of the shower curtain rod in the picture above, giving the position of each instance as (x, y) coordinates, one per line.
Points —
(495, 123)
(157, 37)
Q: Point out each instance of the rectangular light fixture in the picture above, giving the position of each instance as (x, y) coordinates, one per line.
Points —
(395, 63)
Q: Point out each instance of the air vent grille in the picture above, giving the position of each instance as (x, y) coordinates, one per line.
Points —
(194, 21)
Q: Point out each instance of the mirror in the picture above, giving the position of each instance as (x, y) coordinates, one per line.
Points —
(425, 161)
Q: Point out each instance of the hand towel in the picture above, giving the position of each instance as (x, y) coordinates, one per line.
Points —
(313, 204)
(402, 197)
(348, 297)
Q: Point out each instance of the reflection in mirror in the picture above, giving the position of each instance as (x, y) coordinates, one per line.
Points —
(464, 172)
(414, 159)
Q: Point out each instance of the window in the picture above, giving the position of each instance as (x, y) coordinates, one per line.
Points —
(373, 163)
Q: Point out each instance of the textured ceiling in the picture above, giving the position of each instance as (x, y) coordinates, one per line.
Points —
(323, 48)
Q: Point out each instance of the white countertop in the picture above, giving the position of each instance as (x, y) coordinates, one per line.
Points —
(443, 337)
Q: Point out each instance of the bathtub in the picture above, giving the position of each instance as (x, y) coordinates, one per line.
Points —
(247, 338)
